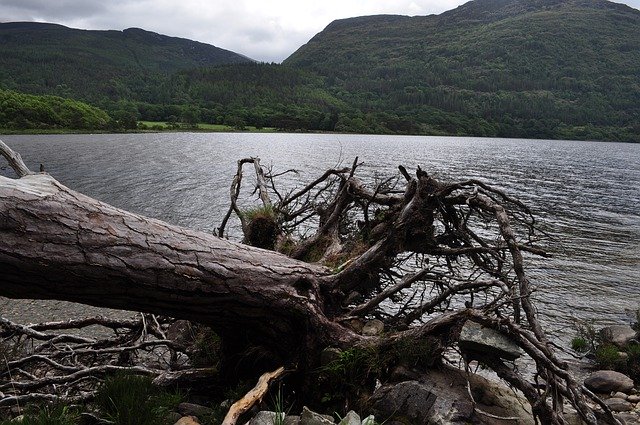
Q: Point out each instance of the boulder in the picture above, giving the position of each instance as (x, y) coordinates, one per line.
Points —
(264, 418)
(309, 417)
(607, 381)
(351, 418)
(410, 401)
(192, 409)
(373, 327)
(619, 335)
(618, 404)
(478, 340)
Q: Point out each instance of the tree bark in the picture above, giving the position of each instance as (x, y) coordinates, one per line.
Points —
(56, 243)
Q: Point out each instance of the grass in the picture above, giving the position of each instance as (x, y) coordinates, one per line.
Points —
(133, 400)
(163, 126)
(47, 415)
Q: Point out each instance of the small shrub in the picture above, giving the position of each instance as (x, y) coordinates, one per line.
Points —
(580, 344)
(608, 357)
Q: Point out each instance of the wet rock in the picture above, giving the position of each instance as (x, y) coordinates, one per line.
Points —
(478, 340)
(351, 418)
(309, 417)
(618, 404)
(619, 335)
(191, 409)
(606, 381)
(373, 327)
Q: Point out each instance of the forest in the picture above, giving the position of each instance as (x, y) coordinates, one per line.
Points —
(554, 70)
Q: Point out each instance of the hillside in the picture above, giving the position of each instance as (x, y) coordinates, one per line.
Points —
(542, 68)
(97, 66)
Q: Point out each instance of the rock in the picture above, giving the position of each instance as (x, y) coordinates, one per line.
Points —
(312, 418)
(87, 418)
(180, 332)
(191, 409)
(329, 355)
(619, 395)
(410, 401)
(633, 399)
(629, 418)
(264, 418)
(351, 418)
(292, 420)
(619, 335)
(172, 417)
(606, 381)
(373, 327)
(369, 420)
(356, 324)
(402, 373)
(18, 419)
(475, 339)
(188, 420)
(618, 404)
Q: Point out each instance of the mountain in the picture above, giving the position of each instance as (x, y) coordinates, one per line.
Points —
(97, 65)
(524, 68)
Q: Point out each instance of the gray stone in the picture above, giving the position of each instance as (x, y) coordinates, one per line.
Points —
(329, 355)
(180, 332)
(312, 418)
(629, 418)
(351, 418)
(633, 399)
(369, 420)
(373, 327)
(475, 339)
(192, 409)
(619, 335)
(606, 381)
(292, 420)
(618, 404)
(620, 395)
(264, 418)
(410, 401)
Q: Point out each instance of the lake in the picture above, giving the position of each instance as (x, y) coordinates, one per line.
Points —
(586, 195)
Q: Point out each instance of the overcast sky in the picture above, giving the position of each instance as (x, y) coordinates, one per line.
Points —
(265, 30)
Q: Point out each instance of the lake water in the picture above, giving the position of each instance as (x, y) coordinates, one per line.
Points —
(585, 194)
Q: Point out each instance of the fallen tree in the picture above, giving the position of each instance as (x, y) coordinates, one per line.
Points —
(421, 255)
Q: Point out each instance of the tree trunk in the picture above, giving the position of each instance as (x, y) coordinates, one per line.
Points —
(56, 243)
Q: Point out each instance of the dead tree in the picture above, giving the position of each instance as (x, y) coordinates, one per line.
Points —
(422, 255)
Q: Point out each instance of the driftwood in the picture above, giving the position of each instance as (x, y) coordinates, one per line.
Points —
(252, 397)
(422, 255)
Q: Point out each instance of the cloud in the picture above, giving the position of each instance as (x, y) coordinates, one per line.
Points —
(263, 30)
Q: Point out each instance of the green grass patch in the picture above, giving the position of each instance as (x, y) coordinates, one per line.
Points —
(133, 400)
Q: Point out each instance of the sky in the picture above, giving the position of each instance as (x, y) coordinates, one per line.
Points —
(265, 30)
